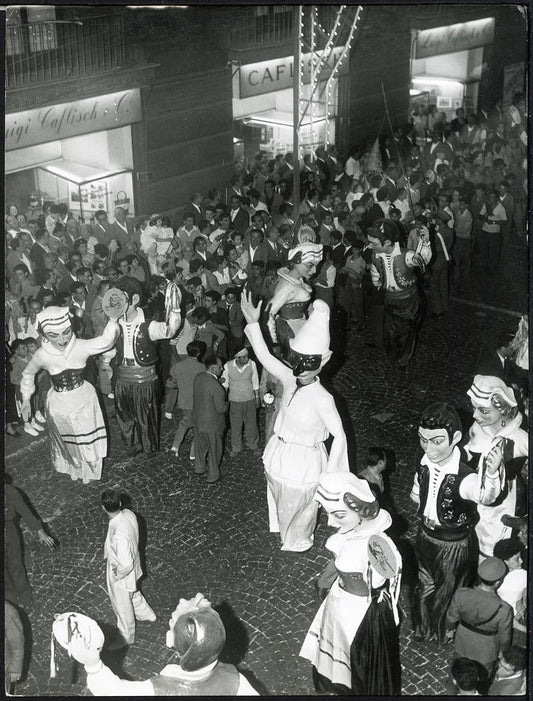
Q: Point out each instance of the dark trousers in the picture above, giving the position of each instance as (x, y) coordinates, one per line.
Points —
(462, 256)
(437, 290)
(243, 414)
(443, 567)
(208, 449)
(489, 250)
(17, 587)
(137, 410)
(184, 425)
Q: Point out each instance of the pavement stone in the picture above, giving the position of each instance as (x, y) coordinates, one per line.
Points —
(215, 539)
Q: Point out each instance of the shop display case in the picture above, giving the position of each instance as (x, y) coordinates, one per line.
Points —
(86, 189)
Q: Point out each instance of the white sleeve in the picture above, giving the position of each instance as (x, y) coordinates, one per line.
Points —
(245, 688)
(27, 383)
(103, 682)
(100, 344)
(158, 330)
(415, 491)
(338, 454)
(255, 377)
(470, 488)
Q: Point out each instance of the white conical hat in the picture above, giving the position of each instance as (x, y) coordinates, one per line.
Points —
(313, 337)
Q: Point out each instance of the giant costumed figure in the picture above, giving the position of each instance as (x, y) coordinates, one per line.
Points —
(295, 456)
(78, 435)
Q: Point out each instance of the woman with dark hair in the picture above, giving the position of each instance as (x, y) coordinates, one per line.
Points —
(497, 422)
(353, 642)
(288, 309)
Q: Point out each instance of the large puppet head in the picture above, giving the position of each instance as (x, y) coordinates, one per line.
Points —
(493, 402)
(197, 634)
(309, 349)
(304, 258)
(55, 326)
(347, 499)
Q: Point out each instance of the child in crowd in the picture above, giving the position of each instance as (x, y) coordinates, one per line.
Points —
(19, 360)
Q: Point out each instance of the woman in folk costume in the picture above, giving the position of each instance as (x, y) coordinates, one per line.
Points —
(77, 430)
(292, 296)
(496, 420)
(295, 456)
(353, 641)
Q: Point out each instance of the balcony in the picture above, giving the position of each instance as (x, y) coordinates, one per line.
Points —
(264, 32)
(45, 52)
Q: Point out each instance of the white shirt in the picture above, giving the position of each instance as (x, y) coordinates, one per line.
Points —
(469, 489)
(512, 587)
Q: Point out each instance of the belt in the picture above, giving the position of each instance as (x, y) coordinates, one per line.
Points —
(443, 533)
(302, 444)
(129, 361)
(478, 630)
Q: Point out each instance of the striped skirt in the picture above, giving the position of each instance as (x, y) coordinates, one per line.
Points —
(78, 436)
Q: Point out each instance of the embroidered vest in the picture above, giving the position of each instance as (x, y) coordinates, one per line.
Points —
(403, 275)
(224, 681)
(144, 349)
(452, 509)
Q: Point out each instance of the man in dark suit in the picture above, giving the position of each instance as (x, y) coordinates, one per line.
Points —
(121, 230)
(209, 419)
(39, 248)
(235, 335)
(240, 219)
(493, 360)
(257, 248)
(275, 250)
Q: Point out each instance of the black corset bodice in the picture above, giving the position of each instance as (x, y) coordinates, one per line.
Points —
(68, 380)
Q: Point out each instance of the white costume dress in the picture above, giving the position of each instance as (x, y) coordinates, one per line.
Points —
(295, 456)
(78, 434)
(329, 639)
(490, 528)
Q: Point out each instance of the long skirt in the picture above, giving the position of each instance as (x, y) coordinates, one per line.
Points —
(443, 567)
(78, 437)
(328, 642)
(292, 472)
(401, 320)
(375, 651)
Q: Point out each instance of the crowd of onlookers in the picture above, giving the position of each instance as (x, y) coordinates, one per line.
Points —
(466, 185)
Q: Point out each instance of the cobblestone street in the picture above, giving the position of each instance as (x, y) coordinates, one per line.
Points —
(215, 539)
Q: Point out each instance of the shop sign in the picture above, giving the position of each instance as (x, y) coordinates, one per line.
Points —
(72, 119)
(513, 82)
(454, 37)
(278, 74)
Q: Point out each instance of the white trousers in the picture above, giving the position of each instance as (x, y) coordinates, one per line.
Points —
(128, 606)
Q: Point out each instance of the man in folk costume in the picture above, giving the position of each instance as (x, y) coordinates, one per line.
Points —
(446, 492)
(137, 384)
(197, 637)
(295, 456)
(393, 269)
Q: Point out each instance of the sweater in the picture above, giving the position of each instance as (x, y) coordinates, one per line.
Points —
(241, 382)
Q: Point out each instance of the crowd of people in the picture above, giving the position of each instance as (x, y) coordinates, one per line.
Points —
(206, 320)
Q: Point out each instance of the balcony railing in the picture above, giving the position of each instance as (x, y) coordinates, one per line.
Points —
(49, 51)
(275, 24)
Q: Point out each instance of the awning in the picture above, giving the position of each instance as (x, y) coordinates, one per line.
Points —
(277, 118)
(78, 173)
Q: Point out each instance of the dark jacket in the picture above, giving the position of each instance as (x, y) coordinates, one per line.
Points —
(209, 404)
